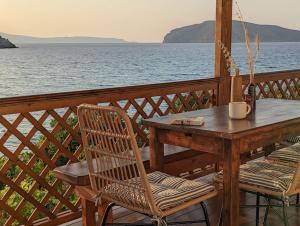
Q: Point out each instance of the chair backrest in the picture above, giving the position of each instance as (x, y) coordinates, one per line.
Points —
(295, 185)
(115, 165)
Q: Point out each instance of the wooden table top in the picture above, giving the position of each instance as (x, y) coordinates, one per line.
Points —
(271, 113)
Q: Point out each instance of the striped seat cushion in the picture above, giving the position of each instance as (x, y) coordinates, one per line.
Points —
(293, 139)
(168, 191)
(290, 155)
(265, 174)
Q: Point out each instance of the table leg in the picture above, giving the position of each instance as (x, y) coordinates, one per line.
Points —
(231, 196)
(88, 212)
(156, 151)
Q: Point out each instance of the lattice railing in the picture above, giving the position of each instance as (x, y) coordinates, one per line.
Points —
(39, 133)
(281, 85)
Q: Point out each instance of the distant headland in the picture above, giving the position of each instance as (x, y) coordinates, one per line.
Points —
(22, 39)
(205, 33)
(5, 43)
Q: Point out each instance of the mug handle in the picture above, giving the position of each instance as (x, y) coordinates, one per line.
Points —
(248, 109)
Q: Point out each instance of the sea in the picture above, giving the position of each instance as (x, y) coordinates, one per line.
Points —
(48, 68)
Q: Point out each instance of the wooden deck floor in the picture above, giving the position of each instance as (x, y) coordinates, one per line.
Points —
(247, 217)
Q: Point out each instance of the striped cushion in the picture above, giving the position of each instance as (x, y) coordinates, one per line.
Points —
(265, 174)
(293, 139)
(289, 154)
(168, 191)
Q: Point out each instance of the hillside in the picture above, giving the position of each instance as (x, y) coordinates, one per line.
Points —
(22, 39)
(5, 43)
(204, 33)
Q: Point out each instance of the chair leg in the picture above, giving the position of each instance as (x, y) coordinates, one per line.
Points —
(257, 208)
(285, 216)
(106, 212)
(205, 213)
(267, 211)
(221, 217)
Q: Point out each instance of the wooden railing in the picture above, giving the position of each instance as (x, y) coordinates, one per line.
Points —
(281, 85)
(39, 133)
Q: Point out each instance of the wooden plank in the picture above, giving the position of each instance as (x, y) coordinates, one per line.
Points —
(41, 102)
(270, 135)
(190, 141)
(223, 33)
(270, 114)
(189, 164)
(273, 76)
(59, 100)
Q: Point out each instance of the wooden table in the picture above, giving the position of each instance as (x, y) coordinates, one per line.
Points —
(273, 121)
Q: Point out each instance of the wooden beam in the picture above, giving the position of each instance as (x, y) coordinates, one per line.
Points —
(223, 33)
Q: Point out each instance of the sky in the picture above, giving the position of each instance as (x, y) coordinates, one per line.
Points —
(132, 20)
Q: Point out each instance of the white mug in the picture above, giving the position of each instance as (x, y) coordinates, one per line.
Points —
(239, 110)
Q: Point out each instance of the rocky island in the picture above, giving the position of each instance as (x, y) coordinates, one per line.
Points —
(5, 43)
(205, 33)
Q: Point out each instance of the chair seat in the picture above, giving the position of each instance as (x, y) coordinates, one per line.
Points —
(168, 191)
(265, 174)
(289, 155)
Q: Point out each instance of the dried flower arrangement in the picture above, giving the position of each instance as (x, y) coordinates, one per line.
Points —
(230, 62)
(251, 57)
(236, 94)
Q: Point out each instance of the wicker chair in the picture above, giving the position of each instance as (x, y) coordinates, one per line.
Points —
(289, 156)
(119, 176)
(269, 179)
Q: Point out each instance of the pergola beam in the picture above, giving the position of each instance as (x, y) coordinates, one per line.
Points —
(223, 33)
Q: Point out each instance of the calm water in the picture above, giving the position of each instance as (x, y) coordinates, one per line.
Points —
(35, 69)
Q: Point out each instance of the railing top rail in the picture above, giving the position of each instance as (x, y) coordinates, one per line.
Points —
(273, 76)
(60, 100)
(21, 104)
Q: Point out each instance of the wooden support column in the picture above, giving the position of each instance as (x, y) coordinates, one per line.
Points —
(223, 33)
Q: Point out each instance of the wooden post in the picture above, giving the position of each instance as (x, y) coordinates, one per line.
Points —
(223, 33)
